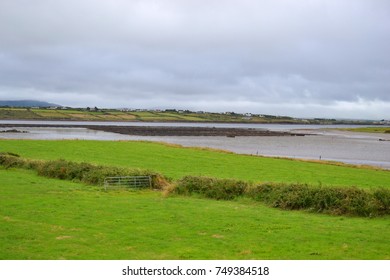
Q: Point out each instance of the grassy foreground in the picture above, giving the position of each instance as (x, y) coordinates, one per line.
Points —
(351, 201)
(176, 162)
(44, 218)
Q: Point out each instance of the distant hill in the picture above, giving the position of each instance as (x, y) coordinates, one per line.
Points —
(26, 103)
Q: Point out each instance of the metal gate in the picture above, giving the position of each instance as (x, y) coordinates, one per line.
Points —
(133, 182)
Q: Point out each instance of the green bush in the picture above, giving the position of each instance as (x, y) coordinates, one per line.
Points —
(225, 189)
(382, 198)
(337, 201)
(92, 174)
(83, 172)
(9, 160)
(292, 196)
(332, 200)
(62, 169)
(9, 154)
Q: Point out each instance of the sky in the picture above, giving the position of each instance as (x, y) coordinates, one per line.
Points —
(300, 58)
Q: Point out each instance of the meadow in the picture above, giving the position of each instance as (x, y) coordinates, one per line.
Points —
(42, 218)
(92, 114)
(175, 162)
(82, 114)
(45, 218)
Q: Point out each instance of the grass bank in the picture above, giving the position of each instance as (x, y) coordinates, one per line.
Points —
(176, 162)
(43, 218)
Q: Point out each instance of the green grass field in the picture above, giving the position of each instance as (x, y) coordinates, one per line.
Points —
(148, 116)
(382, 129)
(176, 162)
(43, 218)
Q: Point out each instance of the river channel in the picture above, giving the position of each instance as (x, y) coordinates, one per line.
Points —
(322, 142)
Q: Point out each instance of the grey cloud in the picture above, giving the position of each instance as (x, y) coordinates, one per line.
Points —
(292, 57)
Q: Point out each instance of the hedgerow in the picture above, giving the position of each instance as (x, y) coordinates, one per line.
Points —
(75, 171)
(332, 200)
(225, 189)
(351, 201)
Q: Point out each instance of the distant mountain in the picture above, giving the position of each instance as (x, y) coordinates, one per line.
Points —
(26, 103)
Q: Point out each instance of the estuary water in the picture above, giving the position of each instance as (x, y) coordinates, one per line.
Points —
(322, 143)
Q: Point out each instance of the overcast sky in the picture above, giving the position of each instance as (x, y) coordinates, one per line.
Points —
(302, 58)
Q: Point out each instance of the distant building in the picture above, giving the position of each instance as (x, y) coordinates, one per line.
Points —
(385, 122)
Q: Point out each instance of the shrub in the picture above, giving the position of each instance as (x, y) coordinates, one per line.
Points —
(382, 200)
(332, 200)
(83, 172)
(293, 196)
(225, 189)
(92, 174)
(9, 160)
(9, 154)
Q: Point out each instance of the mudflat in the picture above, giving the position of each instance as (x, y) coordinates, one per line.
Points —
(170, 130)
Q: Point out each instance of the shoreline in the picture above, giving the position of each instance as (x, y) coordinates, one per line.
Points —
(333, 145)
(168, 130)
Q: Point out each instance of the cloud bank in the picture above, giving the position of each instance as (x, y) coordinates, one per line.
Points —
(309, 58)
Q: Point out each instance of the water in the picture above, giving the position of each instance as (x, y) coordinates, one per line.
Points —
(274, 127)
(54, 133)
(348, 147)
